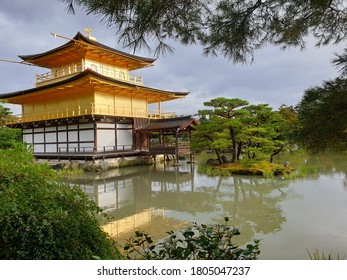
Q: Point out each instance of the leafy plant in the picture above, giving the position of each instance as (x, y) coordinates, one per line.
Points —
(198, 242)
(42, 218)
(9, 137)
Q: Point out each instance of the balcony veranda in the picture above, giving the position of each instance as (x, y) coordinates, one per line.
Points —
(93, 109)
(73, 69)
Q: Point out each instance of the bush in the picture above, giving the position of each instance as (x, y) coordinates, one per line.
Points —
(42, 218)
(9, 136)
(199, 242)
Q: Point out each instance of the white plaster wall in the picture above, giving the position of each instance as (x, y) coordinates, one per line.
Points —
(86, 125)
(39, 148)
(124, 137)
(28, 138)
(106, 138)
(51, 148)
(106, 125)
(51, 137)
(87, 135)
(39, 137)
(62, 136)
(73, 136)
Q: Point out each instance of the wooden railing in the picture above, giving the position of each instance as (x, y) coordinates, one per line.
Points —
(93, 109)
(95, 150)
(69, 70)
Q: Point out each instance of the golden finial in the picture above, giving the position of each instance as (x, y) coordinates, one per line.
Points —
(89, 32)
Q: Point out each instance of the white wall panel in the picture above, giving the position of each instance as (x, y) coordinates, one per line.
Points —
(86, 125)
(87, 135)
(73, 126)
(38, 138)
(38, 148)
(51, 137)
(27, 138)
(124, 125)
(124, 137)
(106, 125)
(62, 148)
(39, 129)
(62, 136)
(51, 148)
(73, 136)
(51, 128)
(106, 138)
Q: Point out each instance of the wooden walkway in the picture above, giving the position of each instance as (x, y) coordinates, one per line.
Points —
(89, 156)
(97, 155)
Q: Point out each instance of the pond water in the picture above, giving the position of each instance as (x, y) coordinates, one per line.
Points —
(290, 217)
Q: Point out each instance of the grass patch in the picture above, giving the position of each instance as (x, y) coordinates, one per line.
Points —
(262, 168)
(301, 172)
(213, 171)
(316, 255)
(68, 171)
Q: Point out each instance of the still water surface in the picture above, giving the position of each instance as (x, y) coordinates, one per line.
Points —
(288, 216)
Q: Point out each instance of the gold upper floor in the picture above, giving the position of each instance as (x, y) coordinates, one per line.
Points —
(81, 53)
(66, 71)
(69, 111)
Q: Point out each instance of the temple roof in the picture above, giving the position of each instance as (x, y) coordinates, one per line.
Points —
(172, 124)
(87, 78)
(81, 45)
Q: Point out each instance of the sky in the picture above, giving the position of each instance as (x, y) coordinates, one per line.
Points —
(276, 77)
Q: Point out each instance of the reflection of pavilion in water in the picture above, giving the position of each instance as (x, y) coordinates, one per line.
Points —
(127, 197)
(163, 197)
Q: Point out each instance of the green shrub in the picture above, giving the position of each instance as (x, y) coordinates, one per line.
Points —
(199, 242)
(268, 174)
(42, 218)
(9, 136)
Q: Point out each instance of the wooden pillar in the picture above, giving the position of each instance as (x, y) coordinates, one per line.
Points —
(176, 147)
(191, 156)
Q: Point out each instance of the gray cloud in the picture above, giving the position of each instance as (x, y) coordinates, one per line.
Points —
(277, 77)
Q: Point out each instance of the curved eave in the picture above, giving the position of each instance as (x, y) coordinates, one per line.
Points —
(173, 124)
(35, 58)
(97, 80)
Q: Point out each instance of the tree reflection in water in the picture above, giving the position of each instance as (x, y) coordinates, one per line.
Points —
(133, 196)
(164, 197)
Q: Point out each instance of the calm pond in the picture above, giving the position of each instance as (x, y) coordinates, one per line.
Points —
(288, 216)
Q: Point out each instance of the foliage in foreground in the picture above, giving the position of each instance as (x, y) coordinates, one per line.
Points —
(9, 137)
(198, 242)
(42, 218)
(322, 114)
(232, 28)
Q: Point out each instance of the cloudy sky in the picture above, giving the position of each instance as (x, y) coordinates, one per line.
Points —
(276, 77)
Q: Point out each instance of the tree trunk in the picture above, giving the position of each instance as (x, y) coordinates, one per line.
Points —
(233, 142)
(276, 152)
(218, 156)
(239, 150)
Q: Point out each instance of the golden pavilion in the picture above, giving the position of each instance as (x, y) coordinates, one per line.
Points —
(89, 105)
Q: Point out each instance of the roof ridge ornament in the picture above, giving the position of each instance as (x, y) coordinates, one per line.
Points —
(88, 32)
